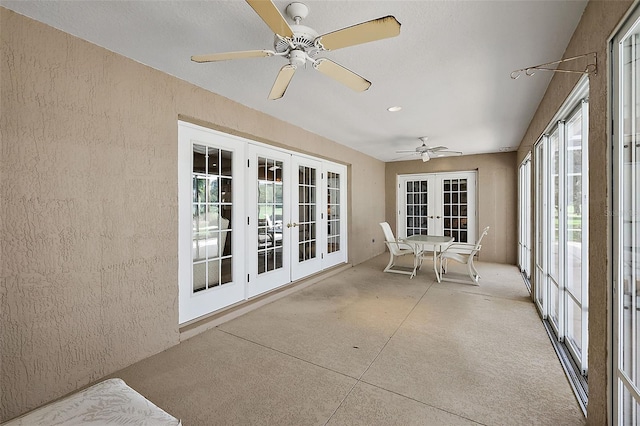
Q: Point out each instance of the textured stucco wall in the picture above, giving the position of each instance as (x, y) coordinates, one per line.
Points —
(497, 197)
(89, 206)
(598, 22)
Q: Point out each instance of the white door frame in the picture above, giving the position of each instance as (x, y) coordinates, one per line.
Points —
(195, 304)
(259, 283)
(435, 201)
(331, 218)
(307, 240)
(246, 282)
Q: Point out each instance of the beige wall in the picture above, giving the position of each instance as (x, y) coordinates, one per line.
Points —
(596, 26)
(89, 206)
(497, 195)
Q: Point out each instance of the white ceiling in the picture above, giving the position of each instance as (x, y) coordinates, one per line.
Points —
(449, 68)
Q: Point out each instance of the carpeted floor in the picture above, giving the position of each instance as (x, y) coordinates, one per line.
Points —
(368, 348)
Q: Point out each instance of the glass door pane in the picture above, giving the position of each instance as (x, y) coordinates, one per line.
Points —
(306, 218)
(627, 223)
(307, 213)
(417, 207)
(334, 215)
(270, 203)
(576, 225)
(335, 210)
(269, 211)
(212, 210)
(455, 209)
(630, 210)
(541, 179)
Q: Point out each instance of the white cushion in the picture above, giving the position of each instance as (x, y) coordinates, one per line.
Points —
(110, 402)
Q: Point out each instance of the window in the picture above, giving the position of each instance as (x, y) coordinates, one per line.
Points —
(524, 211)
(561, 237)
(625, 218)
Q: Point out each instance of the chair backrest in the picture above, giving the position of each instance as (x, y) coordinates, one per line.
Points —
(388, 233)
(478, 246)
(389, 238)
(484, 232)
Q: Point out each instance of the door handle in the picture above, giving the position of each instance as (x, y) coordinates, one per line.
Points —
(291, 225)
(437, 217)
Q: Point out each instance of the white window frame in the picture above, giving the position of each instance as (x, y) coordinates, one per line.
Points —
(524, 209)
(544, 218)
(621, 381)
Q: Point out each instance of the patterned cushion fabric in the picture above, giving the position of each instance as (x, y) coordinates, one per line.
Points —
(110, 402)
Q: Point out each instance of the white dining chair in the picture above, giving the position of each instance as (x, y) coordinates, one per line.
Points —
(396, 249)
(463, 253)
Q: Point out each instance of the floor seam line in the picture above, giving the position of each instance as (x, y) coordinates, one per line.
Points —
(359, 379)
(287, 354)
(421, 402)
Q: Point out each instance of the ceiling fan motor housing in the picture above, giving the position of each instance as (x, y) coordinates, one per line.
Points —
(303, 39)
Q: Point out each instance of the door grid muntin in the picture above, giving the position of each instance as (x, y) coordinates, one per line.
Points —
(211, 217)
(455, 209)
(417, 207)
(307, 214)
(333, 212)
(270, 204)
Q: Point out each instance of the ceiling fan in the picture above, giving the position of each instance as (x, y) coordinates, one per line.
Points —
(427, 152)
(301, 44)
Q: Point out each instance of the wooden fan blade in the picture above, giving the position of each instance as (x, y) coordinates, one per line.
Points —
(438, 148)
(282, 82)
(446, 153)
(215, 57)
(403, 157)
(407, 150)
(364, 32)
(272, 17)
(342, 75)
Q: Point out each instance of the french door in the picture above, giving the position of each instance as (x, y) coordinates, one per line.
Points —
(297, 220)
(252, 218)
(334, 178)
(306, 217)
(210, 185)
(437, 204)
(268, 245)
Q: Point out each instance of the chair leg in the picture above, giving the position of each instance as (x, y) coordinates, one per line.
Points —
(390, 264)
(472, 271)
(473, 265)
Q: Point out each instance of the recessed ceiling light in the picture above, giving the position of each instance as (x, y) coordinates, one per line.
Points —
(394, 108)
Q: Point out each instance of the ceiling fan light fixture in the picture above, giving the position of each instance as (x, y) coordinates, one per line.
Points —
(394, 108)
(425, 156)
